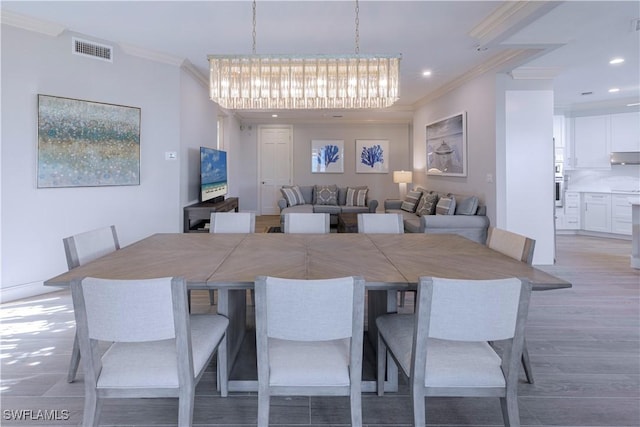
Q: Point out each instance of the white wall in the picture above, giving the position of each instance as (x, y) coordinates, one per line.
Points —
(477, 99)
(381, 186)
(198, 128)
(34, 221)
(509, 153)
(529, 160)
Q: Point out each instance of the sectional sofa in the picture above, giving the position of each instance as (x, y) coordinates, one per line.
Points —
(329, 199)
(426, 211)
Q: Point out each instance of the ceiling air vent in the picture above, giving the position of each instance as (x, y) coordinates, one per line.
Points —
(92, 49)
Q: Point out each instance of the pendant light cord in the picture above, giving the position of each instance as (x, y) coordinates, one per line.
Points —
(254, 27)
(357, 28)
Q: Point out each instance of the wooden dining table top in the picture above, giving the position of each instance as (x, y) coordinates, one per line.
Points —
(386, 261)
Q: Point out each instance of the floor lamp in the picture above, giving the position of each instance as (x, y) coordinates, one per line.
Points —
(402, 178)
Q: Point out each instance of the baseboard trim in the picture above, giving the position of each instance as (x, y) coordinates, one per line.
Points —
(13, 293)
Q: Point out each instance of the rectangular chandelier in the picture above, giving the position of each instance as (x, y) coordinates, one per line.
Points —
(257, 82)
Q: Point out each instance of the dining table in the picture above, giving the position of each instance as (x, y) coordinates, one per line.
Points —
(230, 264)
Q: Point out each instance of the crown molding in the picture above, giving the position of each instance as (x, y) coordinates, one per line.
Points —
(195, 73)
(151, 55)
(28, 23)
(508, 18)
(499, 62)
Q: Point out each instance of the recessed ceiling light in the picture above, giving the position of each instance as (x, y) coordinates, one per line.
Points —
(635, 104)
(616, 61)
(274, 115)
(426, 73)
(614, 90)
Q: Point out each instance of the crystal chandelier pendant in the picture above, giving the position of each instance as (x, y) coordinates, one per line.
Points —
(259, 82)
(304, 82)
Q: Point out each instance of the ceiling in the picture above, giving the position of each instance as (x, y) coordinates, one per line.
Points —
(570, 42)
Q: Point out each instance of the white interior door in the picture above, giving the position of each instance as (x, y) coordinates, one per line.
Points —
(275, 166)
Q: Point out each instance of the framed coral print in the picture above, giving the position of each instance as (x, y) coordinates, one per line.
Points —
(87, 144)
(327, 156)
(447, 146)
(372, 156)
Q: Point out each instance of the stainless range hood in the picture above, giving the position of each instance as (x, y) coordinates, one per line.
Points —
(625, 158)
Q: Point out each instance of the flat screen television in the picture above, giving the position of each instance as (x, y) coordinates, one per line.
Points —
(213, 174)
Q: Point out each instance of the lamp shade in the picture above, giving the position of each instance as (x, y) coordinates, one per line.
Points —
(402, 177)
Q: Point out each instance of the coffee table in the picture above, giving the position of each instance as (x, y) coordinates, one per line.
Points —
(347, 223)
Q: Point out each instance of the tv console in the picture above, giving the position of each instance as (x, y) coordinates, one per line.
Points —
(197, 216)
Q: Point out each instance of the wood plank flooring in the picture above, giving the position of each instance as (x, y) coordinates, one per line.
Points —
(584, 344)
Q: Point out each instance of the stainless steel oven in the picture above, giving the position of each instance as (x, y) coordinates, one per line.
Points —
(559, 191)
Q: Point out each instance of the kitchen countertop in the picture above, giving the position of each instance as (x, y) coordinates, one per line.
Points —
(631, 192)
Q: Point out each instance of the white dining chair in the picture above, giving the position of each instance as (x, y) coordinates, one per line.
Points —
(80, 249)
(444, 347)
(387, 223)
(309, 337)
(307, 223)
(155, 348)
(87, 246)
(511, 244)
(518, 247)
(232, 222)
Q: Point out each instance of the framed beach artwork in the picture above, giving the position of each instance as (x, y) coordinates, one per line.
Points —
(327, 156)
(372, 156)
(87, 144)
(447, 146)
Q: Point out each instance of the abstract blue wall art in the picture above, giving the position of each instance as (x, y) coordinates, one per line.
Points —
(87, 144)
(327, 156)
(372, 156)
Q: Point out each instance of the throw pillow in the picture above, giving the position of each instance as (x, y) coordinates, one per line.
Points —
(427, 205)
(467, 206)
(357, 196)
(446, 205)
(292, 195)
(326, 194)
(410, 201)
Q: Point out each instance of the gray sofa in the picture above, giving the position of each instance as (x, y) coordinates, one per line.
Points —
(473, 226)
(311, 204)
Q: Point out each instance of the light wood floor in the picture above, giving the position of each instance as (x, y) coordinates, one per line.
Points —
(584, 345)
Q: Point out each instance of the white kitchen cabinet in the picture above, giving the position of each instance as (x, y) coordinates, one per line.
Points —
(621, 214)
(625, 132)
(571, 217)
(591, 142)
(596, 212)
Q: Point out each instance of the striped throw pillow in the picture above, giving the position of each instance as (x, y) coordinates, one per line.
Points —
(356, 196)
(411, 201)
(292, 195)
(446, 205)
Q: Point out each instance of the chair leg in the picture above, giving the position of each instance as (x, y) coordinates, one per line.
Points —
(402, 296)
(419, 408)
(382, 363)
(356, 407)
(510, 412)
(212, 297)
(253, 297)
(185, 406)
(526, 363)
(75, 360)
(223, 370)
(263, 408)
(92, 409)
